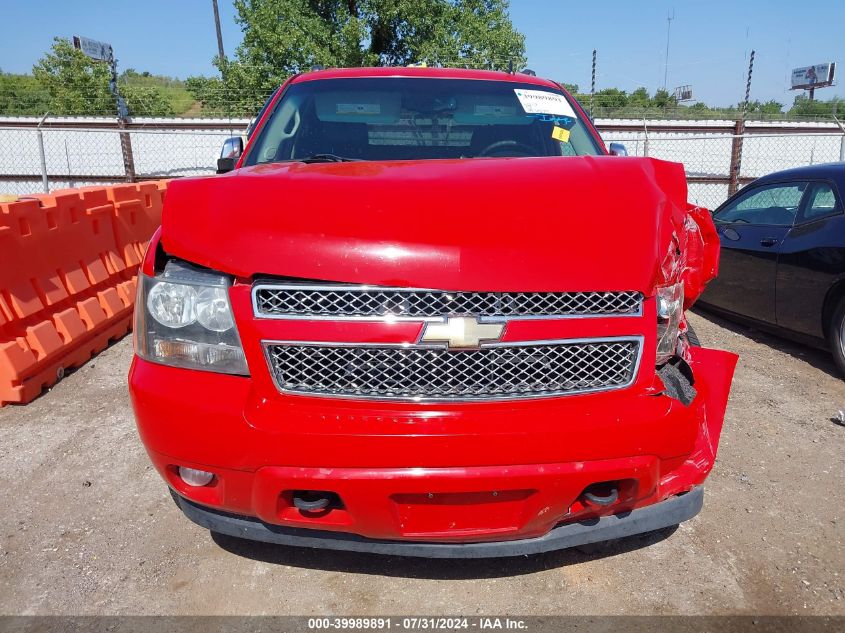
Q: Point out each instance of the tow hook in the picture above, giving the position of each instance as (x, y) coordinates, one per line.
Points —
(603, 494)
(314, 500)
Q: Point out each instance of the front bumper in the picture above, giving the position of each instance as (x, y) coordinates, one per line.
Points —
(654, 517)
(449, 476)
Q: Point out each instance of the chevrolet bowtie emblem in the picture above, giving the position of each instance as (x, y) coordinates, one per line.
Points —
(461, 332)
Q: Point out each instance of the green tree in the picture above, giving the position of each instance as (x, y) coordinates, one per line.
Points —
(639, 98)
(146, 101)
(770, 107)
(611, 99)
(283, 37)
(233, 97)
(662, 99)
(75, 84)
(154, 95)
(803, 107)
(22, 95)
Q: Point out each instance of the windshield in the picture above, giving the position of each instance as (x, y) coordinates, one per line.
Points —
(415, 118)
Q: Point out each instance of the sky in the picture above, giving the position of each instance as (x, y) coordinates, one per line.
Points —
(709, 42)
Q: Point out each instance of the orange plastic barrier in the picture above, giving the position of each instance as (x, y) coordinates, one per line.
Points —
(68, 267)
(137, 214)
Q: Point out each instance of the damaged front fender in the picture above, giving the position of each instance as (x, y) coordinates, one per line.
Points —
(701, 253)
(686, 234)
(713, 371)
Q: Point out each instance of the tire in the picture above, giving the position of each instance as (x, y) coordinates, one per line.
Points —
(836, 336)
(692, 337)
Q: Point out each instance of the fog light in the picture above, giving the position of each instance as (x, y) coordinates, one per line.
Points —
(194, 477)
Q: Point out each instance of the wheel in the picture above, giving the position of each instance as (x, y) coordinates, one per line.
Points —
(692, 337)
(836, 336)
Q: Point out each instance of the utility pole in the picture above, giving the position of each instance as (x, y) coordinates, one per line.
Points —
(593, 84)
(670, 15)
(220, 52)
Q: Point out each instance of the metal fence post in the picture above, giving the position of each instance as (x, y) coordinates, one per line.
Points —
(842, 140)
(739, 131)
(736, 157)
(593, 84)
(126, 150)
(44, 180)
(645, 143)
(122, 117)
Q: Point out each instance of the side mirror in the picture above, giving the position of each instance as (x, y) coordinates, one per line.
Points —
(233, 147)
(618, 149)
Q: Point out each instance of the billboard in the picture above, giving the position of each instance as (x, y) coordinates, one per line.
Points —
(93, 49)
(683, 93)
(817, 76)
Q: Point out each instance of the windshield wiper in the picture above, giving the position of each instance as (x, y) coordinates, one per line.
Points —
(325, 158)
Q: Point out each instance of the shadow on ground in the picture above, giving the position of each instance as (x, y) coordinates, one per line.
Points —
(432, 568)
(818, 358)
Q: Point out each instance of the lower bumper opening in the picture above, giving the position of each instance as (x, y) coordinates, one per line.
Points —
(647, 519)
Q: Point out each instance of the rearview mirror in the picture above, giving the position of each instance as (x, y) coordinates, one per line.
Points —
(618, 149)
(233, 147)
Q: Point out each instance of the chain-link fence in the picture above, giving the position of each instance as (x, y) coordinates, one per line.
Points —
(719, 156)
(77, 152)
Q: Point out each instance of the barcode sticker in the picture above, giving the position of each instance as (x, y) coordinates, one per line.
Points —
(542, 102)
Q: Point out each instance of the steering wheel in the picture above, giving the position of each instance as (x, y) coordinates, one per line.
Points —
(522, 148)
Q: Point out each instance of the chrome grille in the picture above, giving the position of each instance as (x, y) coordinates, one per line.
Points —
(497, 371)
(339, 301)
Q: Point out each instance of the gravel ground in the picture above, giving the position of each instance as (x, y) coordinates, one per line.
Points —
(87, 527)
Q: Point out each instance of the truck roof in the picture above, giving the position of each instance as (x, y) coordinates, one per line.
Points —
(437, 73)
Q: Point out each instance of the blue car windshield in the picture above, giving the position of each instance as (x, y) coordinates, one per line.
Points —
(410, 118)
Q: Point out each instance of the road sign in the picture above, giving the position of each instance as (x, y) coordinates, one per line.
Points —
(94, 49)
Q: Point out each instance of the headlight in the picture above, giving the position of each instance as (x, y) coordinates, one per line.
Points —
(183, 318)
(213, 311)
(670, 307)
(172, 305)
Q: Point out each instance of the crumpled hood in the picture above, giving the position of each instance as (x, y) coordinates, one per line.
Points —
(530, 224)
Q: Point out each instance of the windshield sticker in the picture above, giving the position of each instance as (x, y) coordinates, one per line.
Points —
(358, 108)
(560, 134)
(494, 110)
(566, 122)
(542, 102)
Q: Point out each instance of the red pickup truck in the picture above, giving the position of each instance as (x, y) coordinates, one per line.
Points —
(427, 314)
